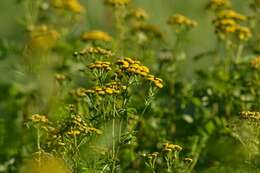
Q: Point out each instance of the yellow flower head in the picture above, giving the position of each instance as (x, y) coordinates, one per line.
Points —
(218, 4)
(117, 2)
(243, 33)
(230, 14)
(139, 13)
(172, 147)
(96, 51)
(96, 35)
(75, 6)
(71, 5)
(100, 65)
(180, 20)
(156, 81)
(254, 116)
(39, 118)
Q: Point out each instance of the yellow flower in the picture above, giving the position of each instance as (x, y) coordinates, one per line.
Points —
(96, 35)
(39, 118)
(243, 33)
(75, 6)
(71, 5)
(180, 20)
(100, 65)
(117, 2)
(172, 147)
(218, 4)
(230, 14)
(73, 132)
(250, 115)
(139, 13)
(96, 51)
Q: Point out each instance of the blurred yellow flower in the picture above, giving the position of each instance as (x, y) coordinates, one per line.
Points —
(96, 35)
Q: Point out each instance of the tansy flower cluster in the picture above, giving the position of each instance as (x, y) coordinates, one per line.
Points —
(139, 14)
(181, 21)
(171, 147)
(250, 115)
(117, 2)
(108, 89)
(255, 63)
(71, 5)
(96, 35)
(36, 118)
(79, 126)
(134, 67)
(96, 51)
(226, 23)
(100, 65)
(218, 4)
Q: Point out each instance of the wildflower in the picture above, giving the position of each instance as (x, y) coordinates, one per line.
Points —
(73, 132)
(243, 33)
(96, 51)
(157, 81)
(250, 115)
(172, 147)
(96, 35)
(133, 67)
(39, 118)
(70, 5)
(180, 20)
(139, 14)
(230, 14)
(75, 6)
(101, 65)
(255, 63)
(218, 4)
(117, 2)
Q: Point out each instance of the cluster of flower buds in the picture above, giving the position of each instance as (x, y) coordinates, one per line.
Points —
(39, 118)
(108, 89)
(134, 67)
(100, 65)
(181, 21)
(117, 2)
(218, 4)
(79, 126)
(171, 147)
(226, 23)
(250, 115)
(139, 14)
(95, 51)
